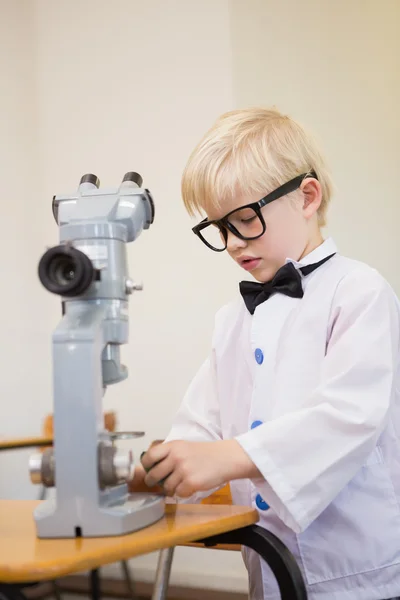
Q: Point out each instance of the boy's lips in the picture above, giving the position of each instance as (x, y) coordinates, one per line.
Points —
(248, 262)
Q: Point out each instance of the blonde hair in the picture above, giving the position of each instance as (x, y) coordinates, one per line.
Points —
(251, 151)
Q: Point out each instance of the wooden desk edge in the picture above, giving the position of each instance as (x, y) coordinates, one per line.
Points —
(29, 442)
(101, 556)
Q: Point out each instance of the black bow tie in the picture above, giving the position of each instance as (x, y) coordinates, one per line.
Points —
(287, 281)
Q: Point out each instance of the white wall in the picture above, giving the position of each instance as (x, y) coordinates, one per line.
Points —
(108, 87)
(22, 355)
(335, 67)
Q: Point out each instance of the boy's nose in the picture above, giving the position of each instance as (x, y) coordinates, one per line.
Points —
(234, 243)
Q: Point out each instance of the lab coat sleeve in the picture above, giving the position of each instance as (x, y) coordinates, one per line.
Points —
(308, 456)
(198, 418)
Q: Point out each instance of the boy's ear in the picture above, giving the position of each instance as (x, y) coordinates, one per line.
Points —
(312, 194)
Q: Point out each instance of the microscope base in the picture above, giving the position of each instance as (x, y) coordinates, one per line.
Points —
(130, 513)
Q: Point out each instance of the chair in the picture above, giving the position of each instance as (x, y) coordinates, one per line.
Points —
(164, 565)
(110, 424)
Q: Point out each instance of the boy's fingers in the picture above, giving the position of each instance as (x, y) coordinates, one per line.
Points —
(171, 483)
(154, 455)
(183, 490)
(159, 472)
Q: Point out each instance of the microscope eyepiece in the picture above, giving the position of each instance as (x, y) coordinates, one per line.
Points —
(134, 177)
(90, 178)
(66, 271)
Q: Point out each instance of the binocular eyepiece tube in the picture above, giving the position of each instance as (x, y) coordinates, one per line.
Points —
(93, 223)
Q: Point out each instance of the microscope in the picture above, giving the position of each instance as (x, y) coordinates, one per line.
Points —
(89, 271)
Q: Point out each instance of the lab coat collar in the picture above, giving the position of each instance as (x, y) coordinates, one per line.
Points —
(325, 249)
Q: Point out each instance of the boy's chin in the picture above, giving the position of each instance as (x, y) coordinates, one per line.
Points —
(263, 275)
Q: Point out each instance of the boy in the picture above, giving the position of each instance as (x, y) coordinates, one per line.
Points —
(298, 403)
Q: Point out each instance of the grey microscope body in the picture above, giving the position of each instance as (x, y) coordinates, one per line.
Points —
(89, 271)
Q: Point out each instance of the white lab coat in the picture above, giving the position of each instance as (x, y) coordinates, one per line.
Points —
(322, 376)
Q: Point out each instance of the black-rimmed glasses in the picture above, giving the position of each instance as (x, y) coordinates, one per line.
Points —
(245, 222)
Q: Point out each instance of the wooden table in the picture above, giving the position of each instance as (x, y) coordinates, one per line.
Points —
(25, 558)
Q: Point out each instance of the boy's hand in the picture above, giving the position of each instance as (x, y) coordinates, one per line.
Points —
(189, 467)
(137, 484)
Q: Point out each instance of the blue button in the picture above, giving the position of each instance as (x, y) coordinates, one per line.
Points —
(259, 355)
(260, 503)
(256, 424)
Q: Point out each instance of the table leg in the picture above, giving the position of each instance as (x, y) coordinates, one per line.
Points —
(95, 584)
(56, 589)
(128, 580)
(162, 574)
(275, 554)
